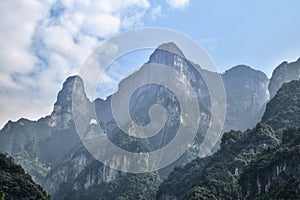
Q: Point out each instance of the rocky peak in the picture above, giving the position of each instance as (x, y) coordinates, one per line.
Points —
(167, 54)
(285, 72)
(245, 71)
(171, 47)
(64, 97)
(246, 92)
(72, 90)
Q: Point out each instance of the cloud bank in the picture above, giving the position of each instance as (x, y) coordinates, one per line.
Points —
(44, 42)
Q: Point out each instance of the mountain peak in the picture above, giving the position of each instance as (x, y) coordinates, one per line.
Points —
(244, 70)
(72, 84)
(72, 90)
(283, 73)
(171, 47)
(166, 54)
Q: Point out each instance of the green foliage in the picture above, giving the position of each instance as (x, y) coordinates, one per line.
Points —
(217, 177)
(284, 109)
(200, 193)
(2, 195)
(276, 171)
(128, 186)
(180, 179)
(15, 184)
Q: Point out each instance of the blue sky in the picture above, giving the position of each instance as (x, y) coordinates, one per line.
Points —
(261, 34)
(44, 42)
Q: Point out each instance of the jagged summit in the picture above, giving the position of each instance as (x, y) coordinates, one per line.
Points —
(166, 53)
(72, 90)
(285, 72)
(71, 85)
(171, 47)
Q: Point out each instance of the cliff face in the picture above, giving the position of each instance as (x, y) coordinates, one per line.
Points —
(217, 177)
(246, 92)
(262, 163)
(284, 73)
(37, 145)
(50, 150)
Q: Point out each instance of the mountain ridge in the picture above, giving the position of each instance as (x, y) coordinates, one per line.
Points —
(58, 128)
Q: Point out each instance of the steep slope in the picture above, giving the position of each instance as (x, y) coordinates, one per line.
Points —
(90, 185)
(246, 92)
(275, 174)
(217, 178)
(37, 145)
(284, 109)
(249, 165)
(80, 176)
(15, 184)
(51, 148)
(284, 73)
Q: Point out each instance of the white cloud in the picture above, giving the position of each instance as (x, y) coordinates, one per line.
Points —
(178, 3)
(101, 25)
(44, 42)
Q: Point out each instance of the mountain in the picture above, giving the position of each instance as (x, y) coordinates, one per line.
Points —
(89, 178)
(261, 163)
(274, 174)
(38, 145)
(50, 150)
(216, 177)
(284, 109)
(246, 92)
(16, 184)
(284, 73)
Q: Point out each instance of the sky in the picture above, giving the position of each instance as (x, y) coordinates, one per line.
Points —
(43, 42)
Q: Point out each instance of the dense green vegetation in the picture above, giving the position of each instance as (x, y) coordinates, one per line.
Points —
(125, 187)
(255, 164)
(217, 177)
(15, 183)
(274, 174)
(284, 109)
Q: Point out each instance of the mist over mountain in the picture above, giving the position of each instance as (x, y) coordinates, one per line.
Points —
(51, 152)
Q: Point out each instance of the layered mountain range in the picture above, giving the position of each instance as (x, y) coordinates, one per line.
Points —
(260, 163)
(51, 152)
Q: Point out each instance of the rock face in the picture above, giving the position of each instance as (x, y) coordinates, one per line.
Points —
(50, 150)
(284, 73)
(216, 177)
(262, 163)
(61, 118)
(37, 145)
(88, 178)
(78, 158)
(247, 92)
